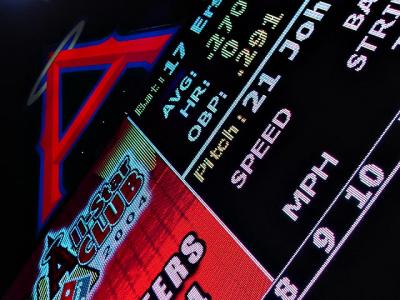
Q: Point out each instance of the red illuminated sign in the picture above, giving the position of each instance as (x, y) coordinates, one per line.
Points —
(117, 54)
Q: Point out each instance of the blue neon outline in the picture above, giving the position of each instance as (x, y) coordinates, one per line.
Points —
(148, 67)
(130, 37)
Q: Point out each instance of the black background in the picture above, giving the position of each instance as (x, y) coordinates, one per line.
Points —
(366, 267)
(30, 30)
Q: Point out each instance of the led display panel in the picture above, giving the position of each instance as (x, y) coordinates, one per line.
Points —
(239, 152)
